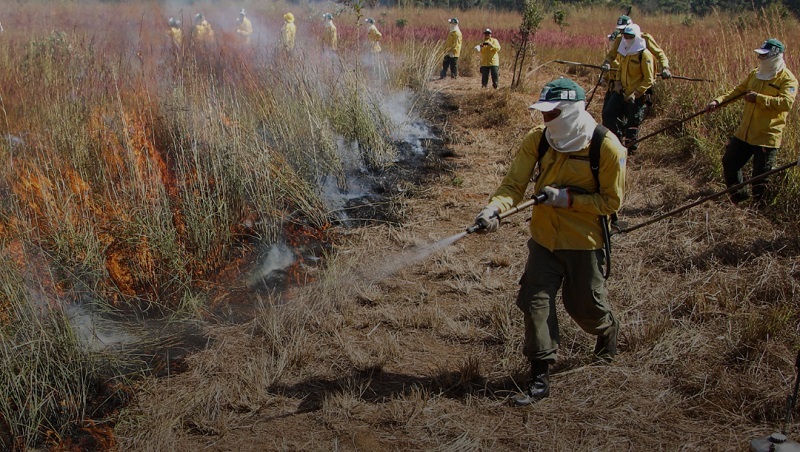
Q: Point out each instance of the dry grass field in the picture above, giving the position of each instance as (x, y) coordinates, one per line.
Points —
(152, 182)
(426, 359)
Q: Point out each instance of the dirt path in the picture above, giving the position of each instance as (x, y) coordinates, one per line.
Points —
(425, 359)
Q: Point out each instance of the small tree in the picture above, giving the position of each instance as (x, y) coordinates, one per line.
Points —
(560, 17)
(532, 16)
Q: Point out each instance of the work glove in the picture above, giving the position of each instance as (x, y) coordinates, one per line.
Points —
(712, 105)
(606, 66)
(488, 220)
(665, 73)
(557, 197)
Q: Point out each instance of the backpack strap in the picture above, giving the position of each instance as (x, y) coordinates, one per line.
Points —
(594, 152)
(542, 149)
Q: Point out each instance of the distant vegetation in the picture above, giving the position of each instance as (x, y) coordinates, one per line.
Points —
(696, 7)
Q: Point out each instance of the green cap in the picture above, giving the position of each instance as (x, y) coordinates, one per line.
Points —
(623, 22)
(560, 89)
(770, 47)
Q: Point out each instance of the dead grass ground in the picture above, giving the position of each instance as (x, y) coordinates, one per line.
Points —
(426, 359)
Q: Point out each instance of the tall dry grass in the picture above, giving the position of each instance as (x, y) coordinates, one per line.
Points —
(140, 170)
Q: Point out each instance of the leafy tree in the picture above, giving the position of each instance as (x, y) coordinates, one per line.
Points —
(532, 16)
(560, 18)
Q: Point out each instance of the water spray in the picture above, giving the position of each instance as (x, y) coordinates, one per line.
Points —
(779, 442)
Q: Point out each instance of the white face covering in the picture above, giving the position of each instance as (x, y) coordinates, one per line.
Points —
(632, 46)
(572, 129)
(453, 27)
(769, 67)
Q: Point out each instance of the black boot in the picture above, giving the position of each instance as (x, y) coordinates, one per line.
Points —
(538, 387)
(606, 346)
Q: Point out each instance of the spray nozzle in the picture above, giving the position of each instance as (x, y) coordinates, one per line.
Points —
(538, 199)
(474, 228)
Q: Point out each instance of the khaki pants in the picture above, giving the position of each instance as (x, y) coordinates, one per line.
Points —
(583, 293)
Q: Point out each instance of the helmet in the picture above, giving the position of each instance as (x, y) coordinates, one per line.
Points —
(198, 17)
(327, 16)
(488, 31)
(241, 13)
(173, 23)
(288, 17)
(453, 21)
(370, 20)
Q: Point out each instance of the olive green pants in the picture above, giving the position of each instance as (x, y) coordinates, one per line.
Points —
(579, 274)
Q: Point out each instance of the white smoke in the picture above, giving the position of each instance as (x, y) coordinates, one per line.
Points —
(96, 333)
(278, 257)
(408, 126)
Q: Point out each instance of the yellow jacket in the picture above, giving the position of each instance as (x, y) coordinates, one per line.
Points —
(245, 29)
(176, 34)
(203, 31)
(373, 35)
(651, 45)
(763, 120)
(577, 227)
(453, 43)
(490, 53)
(288, 32)
(637, 72)
(612, 74)
(329, 36)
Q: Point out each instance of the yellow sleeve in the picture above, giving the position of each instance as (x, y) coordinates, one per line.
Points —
(738, 91)
(787, 91)
(648, 72)
(656, 50)
(512, 189)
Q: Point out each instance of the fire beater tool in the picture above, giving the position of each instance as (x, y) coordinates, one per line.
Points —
(730, 189)
(681, 121)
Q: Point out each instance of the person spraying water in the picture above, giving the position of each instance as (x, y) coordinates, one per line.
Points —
(567, 239)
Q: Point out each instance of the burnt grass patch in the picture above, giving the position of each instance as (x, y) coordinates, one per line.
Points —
(416, 166)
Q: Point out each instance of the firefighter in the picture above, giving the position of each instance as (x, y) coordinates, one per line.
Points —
(175, 32)
(329, 36)
(650, 43)
(490, 59)
(288, 32)
(452, 49)
(567, 238)
(636, 76)
(769, 92)
(374, 36)
(202, 29)
(245, 28)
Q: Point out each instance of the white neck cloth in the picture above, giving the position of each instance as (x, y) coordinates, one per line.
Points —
(632, 46)
(453, 27)
(572, 129)
(768, 68)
